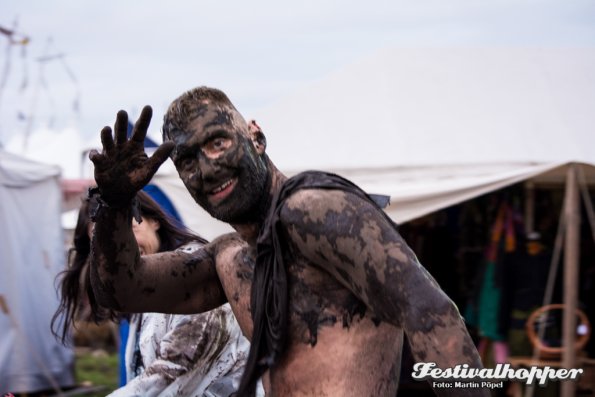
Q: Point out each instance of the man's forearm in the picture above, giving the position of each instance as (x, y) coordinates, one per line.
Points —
(166, 282)
(114, 255)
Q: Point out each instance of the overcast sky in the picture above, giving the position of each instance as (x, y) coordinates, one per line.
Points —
(124, 54)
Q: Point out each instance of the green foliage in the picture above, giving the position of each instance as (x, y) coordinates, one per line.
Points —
(97, 368)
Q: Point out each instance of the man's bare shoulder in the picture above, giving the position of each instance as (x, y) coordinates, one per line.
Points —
(226, 241)
(230, 252)
(304, 198)
(332, 210)
(316, 203)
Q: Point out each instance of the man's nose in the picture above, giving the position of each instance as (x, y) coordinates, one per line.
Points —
(208, 167)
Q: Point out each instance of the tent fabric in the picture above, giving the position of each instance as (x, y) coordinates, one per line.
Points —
(430, 127)
(420, 107)
(164, 202)
(417, 191)
(31, 255)
(435, 127)
(14, 172)
(413, 191)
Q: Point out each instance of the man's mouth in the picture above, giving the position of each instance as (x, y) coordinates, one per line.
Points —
(222, 191)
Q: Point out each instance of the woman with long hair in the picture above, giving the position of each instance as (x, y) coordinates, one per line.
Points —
(166, 354)
(77, 302)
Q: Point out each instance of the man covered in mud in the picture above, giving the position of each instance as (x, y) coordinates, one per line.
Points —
(317, 275)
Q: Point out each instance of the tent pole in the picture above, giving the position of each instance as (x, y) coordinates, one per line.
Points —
(571, 270)
(529, 207)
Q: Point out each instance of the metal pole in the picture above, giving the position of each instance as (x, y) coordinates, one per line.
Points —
(529, 207)
(571, 277)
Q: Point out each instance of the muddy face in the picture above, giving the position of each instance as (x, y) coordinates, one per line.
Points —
(220, 166)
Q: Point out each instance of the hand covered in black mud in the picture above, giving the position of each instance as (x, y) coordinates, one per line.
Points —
(123, 168)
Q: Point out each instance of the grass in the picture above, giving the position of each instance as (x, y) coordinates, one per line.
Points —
(97, 368)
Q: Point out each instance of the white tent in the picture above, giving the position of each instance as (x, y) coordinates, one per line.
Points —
(434, 127)
(31, 254)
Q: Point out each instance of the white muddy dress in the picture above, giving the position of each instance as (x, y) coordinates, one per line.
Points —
(184, 355)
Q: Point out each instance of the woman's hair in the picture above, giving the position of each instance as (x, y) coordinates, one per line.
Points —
(75, 281)
(171, 233)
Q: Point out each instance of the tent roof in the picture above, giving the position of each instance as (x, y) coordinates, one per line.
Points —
(418, 191)
(423, 107)
(17, 171)
(435, 127)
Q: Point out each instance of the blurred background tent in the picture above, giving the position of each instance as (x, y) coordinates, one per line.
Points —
(31, 255)
(435, 127)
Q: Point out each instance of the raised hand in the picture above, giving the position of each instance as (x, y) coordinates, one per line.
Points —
(123, 168)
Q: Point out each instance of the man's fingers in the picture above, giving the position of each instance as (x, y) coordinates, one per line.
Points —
(160, 155)
(96, 158)
(121, 127)
(139, 131)
(93, 155)
(106, 139)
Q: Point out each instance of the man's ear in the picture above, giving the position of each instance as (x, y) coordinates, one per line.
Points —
(257, 137)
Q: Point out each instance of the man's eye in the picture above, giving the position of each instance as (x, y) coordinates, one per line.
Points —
(218, 143)
(216, 146)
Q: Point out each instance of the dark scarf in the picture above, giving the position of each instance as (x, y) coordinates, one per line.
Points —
(269, 299)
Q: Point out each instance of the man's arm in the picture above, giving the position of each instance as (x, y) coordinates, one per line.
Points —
(169, 282)
(172, 282)
(351, 239)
